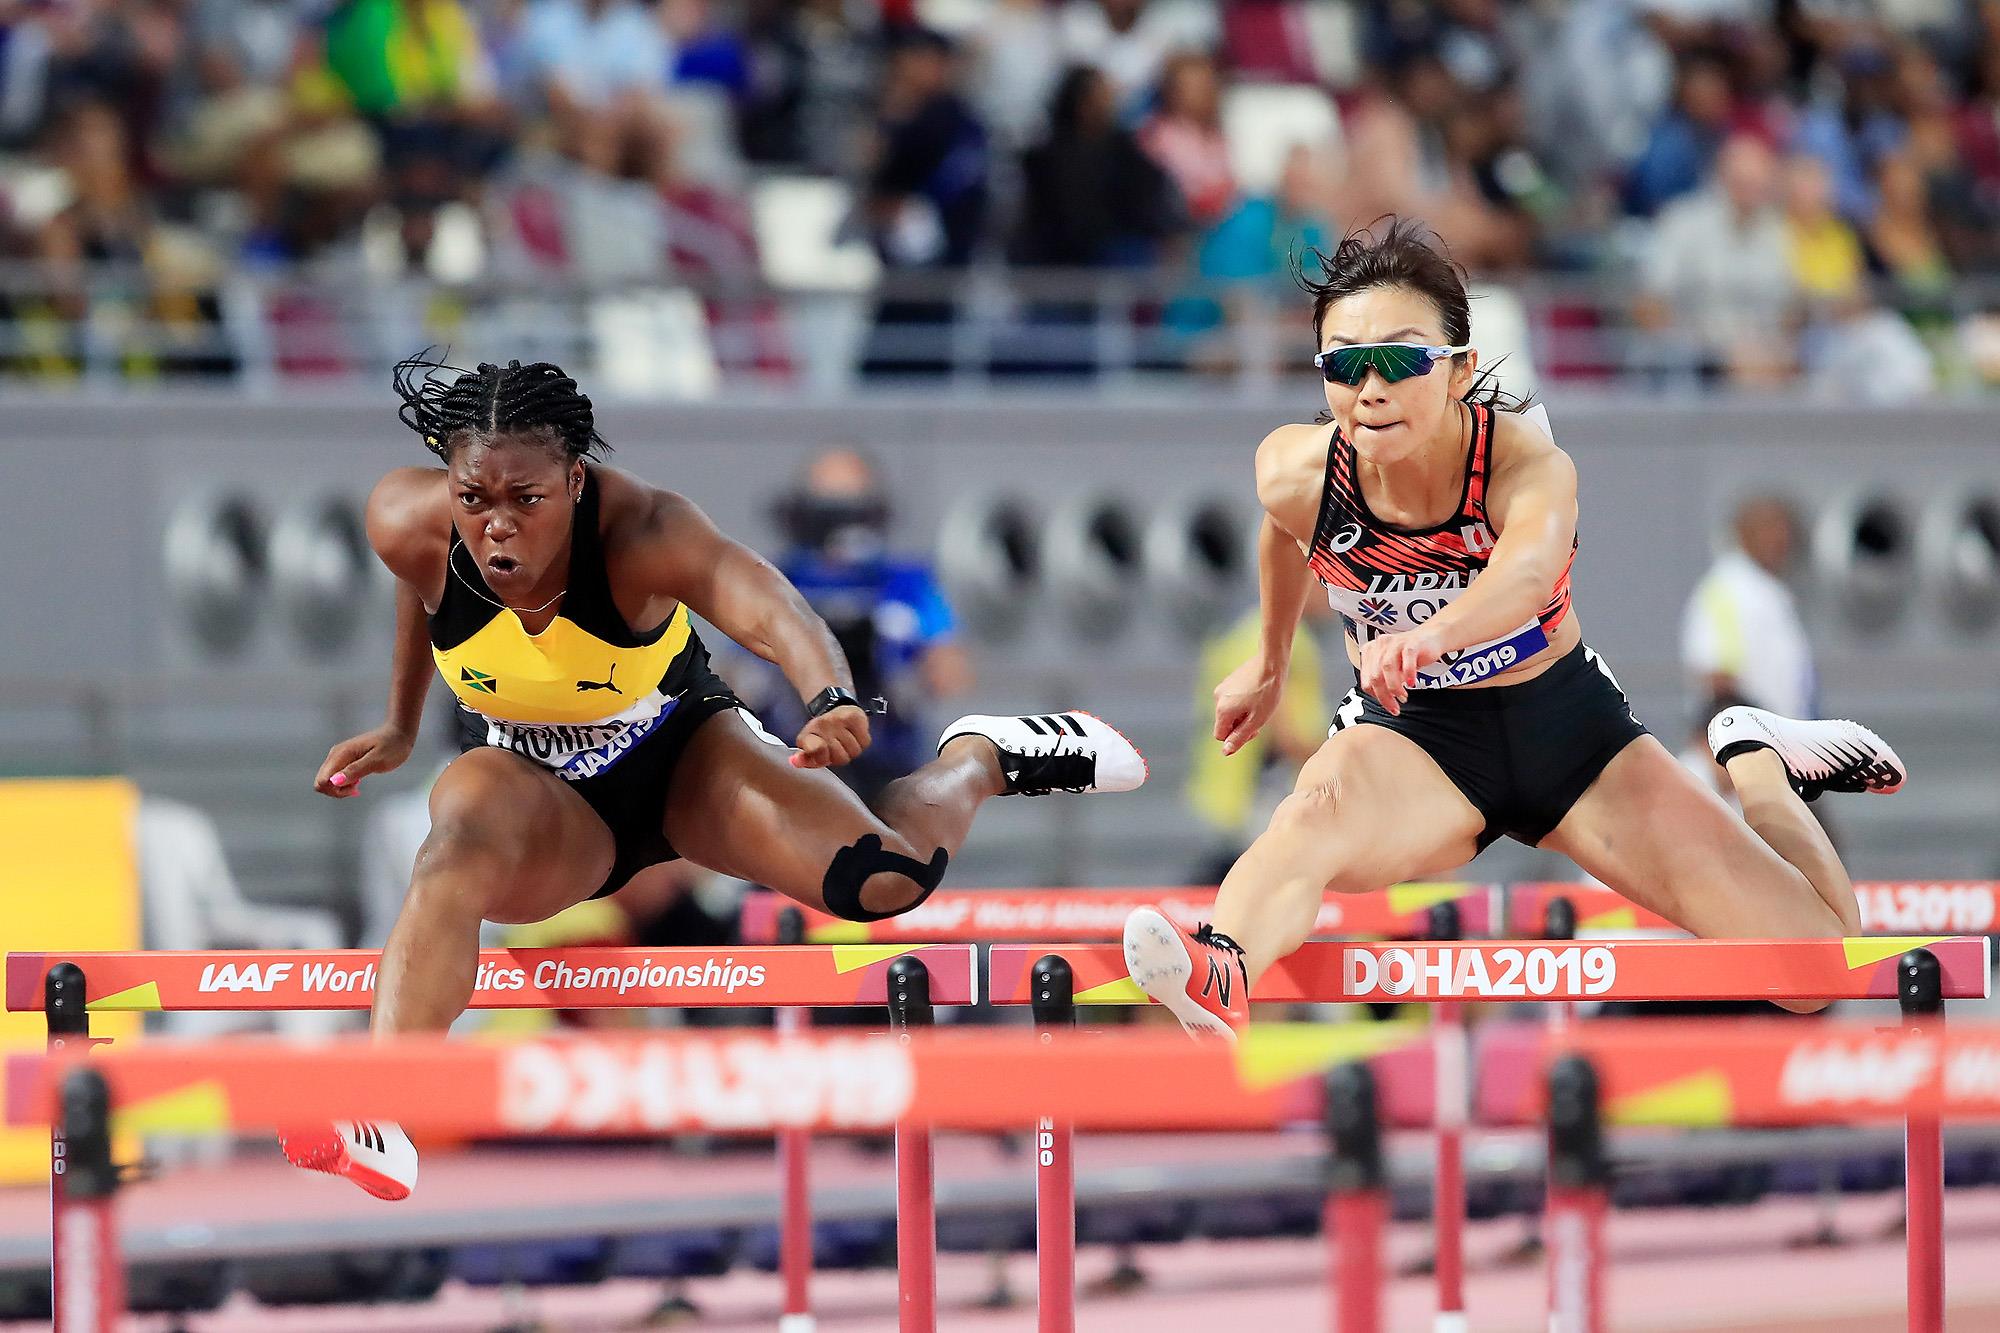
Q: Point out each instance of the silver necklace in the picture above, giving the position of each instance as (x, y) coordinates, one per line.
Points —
(451, 563)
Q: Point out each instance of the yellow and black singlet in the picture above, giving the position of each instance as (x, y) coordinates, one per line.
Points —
(579, 696)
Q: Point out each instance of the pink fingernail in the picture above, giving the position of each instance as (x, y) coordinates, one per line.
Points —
(339, 779)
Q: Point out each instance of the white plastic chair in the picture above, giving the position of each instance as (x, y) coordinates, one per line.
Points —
(825, 277)
(1500, 329)
(1263, 122)
(654, 346)
(190, 900)
(799, 222)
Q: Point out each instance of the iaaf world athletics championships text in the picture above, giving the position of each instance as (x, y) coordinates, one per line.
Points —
(550, 976)
(555, 976)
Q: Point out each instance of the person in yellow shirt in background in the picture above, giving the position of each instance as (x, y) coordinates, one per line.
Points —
(1827, 259)
(1850, 344)
(1230, 793)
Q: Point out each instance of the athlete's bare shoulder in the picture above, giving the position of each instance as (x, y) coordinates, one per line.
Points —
(409, 525)
(633, 514)
(1291, 473)
(1526, 460)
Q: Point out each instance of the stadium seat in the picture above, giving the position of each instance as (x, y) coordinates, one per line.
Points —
(654, 345)
(567, 1261)
(954, 18)
(346, 1278)
(799, 222)
(182, 1286)
(191, 901)
(677, 1254)
(1264, 121)
(1500, 329)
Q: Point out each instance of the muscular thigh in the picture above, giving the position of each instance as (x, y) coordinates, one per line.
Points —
(1657, 834)
(1370, 809)
(738, 807)
(534, 845)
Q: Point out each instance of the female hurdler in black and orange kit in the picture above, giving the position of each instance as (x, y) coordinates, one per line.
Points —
(553, 594)
(1443, 531)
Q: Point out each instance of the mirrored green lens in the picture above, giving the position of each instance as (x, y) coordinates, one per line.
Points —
(1349, 365)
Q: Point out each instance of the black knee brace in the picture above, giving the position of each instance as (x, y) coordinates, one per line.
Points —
(852, 866)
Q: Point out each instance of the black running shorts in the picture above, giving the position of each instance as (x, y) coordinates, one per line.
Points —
(1522, 754)
(631, 795)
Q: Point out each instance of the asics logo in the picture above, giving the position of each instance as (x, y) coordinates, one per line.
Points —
(1345, 540)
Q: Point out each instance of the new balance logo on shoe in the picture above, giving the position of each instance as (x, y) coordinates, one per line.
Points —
(1219, 981)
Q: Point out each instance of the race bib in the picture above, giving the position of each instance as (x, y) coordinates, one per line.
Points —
(1483, 661)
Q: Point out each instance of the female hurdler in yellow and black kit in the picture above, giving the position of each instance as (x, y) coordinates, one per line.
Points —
(553, 594)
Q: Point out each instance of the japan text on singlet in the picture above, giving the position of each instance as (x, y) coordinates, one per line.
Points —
(1385, 580)
(579, 696)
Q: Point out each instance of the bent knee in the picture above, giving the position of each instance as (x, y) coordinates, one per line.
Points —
(465, 862)
(880, 875)
(891, 894)
(1306, 811)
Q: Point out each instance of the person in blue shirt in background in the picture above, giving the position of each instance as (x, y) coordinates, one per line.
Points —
(886, 609)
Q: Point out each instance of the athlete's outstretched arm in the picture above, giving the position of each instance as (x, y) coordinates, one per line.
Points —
(403, 525)
(1249, 695)
(682, 554)
(1532, 502)
(1286, 477)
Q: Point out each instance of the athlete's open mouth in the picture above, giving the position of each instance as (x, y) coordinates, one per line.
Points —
(503, 565)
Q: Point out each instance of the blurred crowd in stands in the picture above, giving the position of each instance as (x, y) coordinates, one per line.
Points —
(1758, 191)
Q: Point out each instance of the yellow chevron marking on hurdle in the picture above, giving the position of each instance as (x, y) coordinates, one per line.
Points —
(197, 1107)
(1417, 897)
(1618, 918)
(130, 999)
(1283, 1052)
(838, 932)
(854, 957)
(1703, 1100)
(1864, 952)
(1122, 991)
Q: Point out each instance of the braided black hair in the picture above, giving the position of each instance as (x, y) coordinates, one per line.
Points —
(1406, 254)
(535, 399)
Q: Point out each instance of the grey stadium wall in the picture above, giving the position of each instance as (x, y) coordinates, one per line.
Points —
(1141, 513)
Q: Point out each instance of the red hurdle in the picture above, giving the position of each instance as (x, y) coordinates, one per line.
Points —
(1556, 971)
(1437, 911)
(1762, 1073)
(909, 978)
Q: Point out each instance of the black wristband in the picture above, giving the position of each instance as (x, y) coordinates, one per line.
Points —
(833, 697)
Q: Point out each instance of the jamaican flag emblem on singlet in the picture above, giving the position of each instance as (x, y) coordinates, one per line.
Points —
(478, 680)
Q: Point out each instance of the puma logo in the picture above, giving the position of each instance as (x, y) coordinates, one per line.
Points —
(606, 684)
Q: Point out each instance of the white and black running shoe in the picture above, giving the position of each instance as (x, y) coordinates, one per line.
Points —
(1050, 752)
(1820, 756)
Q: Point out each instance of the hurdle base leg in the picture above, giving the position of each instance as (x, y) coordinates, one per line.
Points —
(1923, 1158)
(1355, 1221)
(916, 1231)
(1055, 1227)
(1125, 1276)
(1000, 1293)
(1575, 1226)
